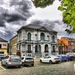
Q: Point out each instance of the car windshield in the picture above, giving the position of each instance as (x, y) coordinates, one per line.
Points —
(2, 55)
(29, 58)
(15, 57)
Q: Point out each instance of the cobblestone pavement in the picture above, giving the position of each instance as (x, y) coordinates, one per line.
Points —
(64, 68)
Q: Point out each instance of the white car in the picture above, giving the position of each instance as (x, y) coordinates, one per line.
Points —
(50, 59)
(27, 60)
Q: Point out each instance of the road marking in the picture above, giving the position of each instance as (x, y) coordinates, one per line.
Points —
(74, 66)
(2, 67)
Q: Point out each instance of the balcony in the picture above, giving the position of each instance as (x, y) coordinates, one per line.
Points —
(33, 41)
(46, 51)
(29, 51)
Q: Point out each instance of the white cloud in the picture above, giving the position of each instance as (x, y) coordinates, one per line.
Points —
(50, 12)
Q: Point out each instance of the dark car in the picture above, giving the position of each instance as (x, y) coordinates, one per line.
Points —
(70, 57)
(27, 60)
(63, 57)
(2, 56)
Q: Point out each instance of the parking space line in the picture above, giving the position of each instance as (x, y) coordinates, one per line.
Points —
(2, 68)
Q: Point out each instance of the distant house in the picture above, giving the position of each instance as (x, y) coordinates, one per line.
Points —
(37, 41)
(13, 45)
(3, 46)
(66, 44)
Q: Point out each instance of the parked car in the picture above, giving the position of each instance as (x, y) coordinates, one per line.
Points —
(27, 60)
(50, 59)
(11, 60)
(70, 57)
(63, 57)
(2, 56)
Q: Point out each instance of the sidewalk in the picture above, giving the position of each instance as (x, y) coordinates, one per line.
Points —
(36, 59)
(1, 68)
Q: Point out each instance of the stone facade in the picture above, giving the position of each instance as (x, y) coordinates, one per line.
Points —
(13, 45)
(37, 41)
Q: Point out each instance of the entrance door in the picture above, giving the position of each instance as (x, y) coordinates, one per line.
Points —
(38, 50)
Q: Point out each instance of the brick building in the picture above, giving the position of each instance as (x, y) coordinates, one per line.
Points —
(66, 44)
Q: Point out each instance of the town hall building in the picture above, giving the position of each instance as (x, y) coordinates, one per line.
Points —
(36, 41)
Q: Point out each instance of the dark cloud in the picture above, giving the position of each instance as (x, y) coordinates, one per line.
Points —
(15, 12)
(7, 36)
(21, 10)
(37, 22)
(47, 23)
(2, 21)
(13, 17)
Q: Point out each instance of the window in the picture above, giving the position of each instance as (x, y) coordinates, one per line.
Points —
(29, 47)
(0, 45)
(53, 38)
(42, 36)
(53, 49)
(46, 48)
(29, 36)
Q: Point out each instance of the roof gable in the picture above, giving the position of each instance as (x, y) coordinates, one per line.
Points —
(37, 27)
(2, 40)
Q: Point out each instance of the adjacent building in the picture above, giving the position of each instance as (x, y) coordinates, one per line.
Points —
(3, 46)
(66, 44)
(13, 45)
(37, 41)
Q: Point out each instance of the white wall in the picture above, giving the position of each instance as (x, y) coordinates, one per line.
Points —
(3, 44)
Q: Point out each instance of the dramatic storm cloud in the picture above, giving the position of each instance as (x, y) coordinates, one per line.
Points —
(56, 25)
(13, 13)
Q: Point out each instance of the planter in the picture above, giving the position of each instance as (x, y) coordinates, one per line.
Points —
(46, 51)
(29, 51)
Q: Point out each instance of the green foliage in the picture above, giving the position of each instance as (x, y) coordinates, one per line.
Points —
(42, 3)
(18, 53)
(60, 8)
(68, 8)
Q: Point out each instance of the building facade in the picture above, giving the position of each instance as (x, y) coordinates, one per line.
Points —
(3, 46)
(66, 44)
(13, 45)
(37, 41)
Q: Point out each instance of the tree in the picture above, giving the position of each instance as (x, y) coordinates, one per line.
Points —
(68, 8)
(42, 3)
(68, 11)
(18, 53)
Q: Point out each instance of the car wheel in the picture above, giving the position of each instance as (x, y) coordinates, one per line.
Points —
(50, 62)
(32, 64)
(1, 64)
(19, 66)
(40, 61)
(7, 65)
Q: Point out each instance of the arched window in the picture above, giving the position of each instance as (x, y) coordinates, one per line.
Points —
(36, 49)
(53, 38)
(42, 36)
(46, 48)
(53, 49)
(29, 36)
(29, 47)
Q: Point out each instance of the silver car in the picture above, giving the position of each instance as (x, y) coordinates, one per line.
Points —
(11, 60)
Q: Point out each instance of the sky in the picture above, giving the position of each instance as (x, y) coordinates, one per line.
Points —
(17, 13)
